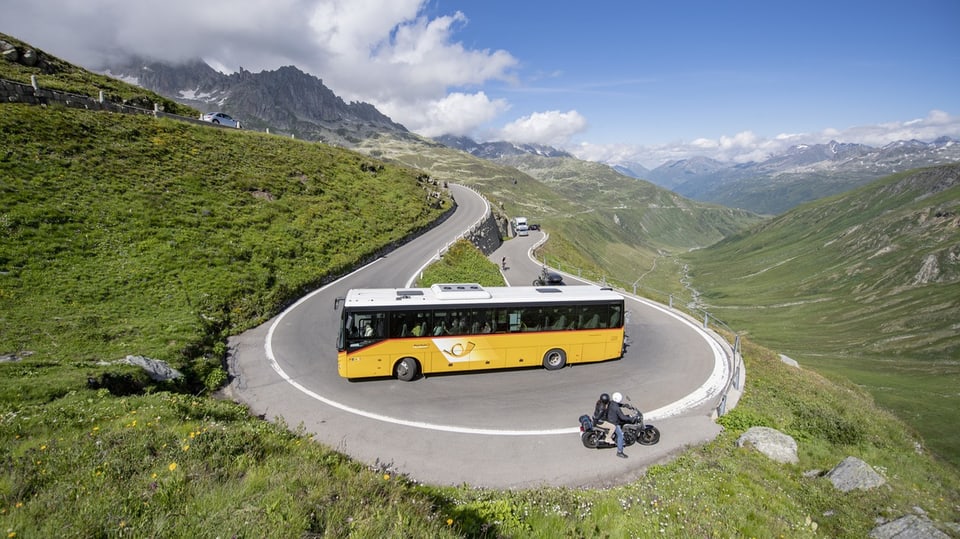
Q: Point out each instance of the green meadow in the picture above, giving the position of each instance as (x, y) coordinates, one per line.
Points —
(125, 235)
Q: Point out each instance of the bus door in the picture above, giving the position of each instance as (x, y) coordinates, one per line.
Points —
(362, 333)
(522, 345)
(599, 341)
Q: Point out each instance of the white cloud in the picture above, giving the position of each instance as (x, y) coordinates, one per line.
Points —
(553, 128)
(747, 146)
(384, 52)
(455, 114)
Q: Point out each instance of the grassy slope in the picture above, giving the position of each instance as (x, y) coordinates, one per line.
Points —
(83, 462)
(55, 74)
(845, 285)
(128, 235)
(462, 263)
(633, 229)
(602, 225)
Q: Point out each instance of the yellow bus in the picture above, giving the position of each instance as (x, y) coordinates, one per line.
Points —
(464, 327)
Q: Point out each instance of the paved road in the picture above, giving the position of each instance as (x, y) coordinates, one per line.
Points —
(494, 429)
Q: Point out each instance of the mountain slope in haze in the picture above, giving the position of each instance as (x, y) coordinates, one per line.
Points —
(865, 285)
(284, 100)
(801, 174)
(495, 150)
(655, 216)
(601, 223)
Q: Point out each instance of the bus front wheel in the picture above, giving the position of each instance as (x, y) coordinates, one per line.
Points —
(554, 359)
(407, 369)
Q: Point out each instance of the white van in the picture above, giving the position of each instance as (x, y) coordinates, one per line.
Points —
(520, 226)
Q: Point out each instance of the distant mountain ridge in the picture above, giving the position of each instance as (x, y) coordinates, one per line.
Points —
(777, 184)
(499, 149)
(801, 174)
(285, 100)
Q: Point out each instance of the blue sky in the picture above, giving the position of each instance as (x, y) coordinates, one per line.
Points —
(635, 80)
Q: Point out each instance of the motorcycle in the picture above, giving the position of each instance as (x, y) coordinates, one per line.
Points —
(600, 435)
(548, 278)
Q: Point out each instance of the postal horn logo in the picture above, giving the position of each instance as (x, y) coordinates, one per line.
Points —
(455, 349)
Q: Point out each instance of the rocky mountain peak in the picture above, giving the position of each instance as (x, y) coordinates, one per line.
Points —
(285, 100)
(498, 149)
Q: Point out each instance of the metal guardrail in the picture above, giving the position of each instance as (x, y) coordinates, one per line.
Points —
(34, 94)
(472, 229)
(733, 387)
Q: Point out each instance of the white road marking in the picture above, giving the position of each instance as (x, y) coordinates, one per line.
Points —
(710, 388)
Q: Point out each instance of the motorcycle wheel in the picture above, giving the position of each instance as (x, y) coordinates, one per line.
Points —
(590, 439)
(649, 435)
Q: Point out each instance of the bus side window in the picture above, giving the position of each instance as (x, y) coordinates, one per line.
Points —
(593, 320)
(420, 326)
(500, 322)
(515, 322)
(399, 325)
(615, 316)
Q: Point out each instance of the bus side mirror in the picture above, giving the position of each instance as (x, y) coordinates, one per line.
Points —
(338, 302)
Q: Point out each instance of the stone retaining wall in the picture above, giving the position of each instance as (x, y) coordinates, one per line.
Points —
(17, 92)
(486, 236)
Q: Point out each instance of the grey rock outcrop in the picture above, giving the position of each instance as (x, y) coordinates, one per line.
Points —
(156, 369)
(8, 52)
(908, 527)
(772, 443)
(853, 473)
(285, 99)
(789, 361)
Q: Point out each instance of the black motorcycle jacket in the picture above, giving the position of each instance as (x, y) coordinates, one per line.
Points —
(616, 416)
(600, 412)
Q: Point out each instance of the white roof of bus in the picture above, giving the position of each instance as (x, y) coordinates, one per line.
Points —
(474, 294)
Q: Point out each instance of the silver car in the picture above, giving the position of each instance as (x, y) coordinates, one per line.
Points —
(220, 118)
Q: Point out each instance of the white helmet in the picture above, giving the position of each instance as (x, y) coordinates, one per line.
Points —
(616, 397)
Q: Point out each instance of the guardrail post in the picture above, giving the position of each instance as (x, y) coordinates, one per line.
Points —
(671, 301)
(706, 320)
(101, 97)
(33, 82)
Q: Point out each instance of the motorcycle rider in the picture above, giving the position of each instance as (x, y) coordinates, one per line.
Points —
(600, 410)
(600, 417)
(616, 416)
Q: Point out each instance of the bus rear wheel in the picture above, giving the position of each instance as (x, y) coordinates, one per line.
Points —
(554, 359)
(407, 369)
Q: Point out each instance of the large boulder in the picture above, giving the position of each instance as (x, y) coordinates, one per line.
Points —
(29, 58)
(853, 473)
(772, 443)
(158, 370)
(908, 527)
(9, 52)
